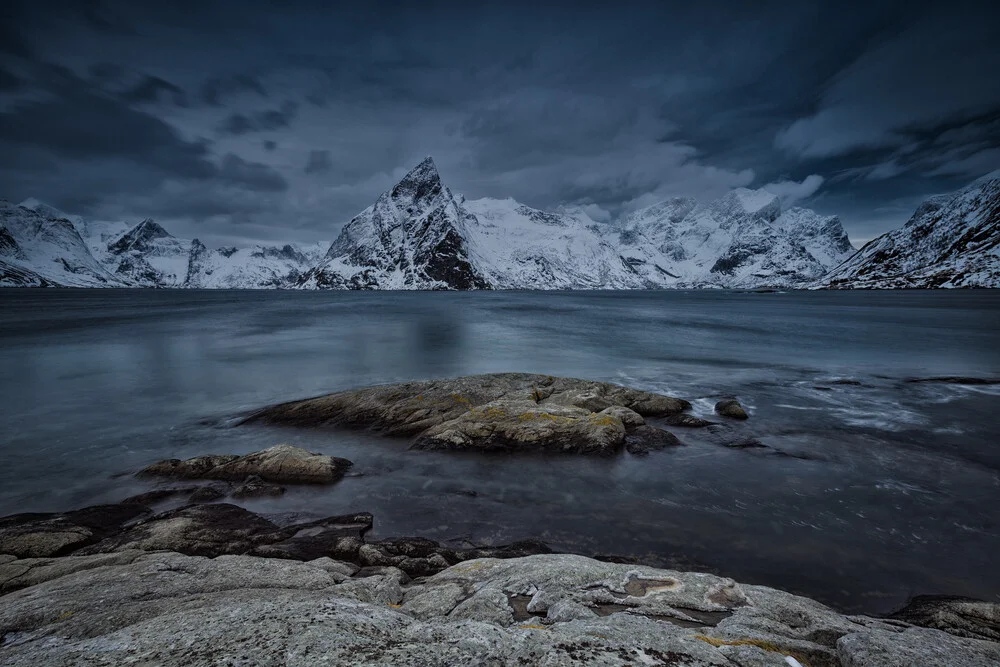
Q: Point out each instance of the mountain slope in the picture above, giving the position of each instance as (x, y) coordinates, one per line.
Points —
(517, 247)
(48, 250)
(256, 267)
(412, 237)
(742, 239)
(950, 241)
(148, 256)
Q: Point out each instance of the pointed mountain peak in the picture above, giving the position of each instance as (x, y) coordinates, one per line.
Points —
(424, 172)
(139, 237)
(422, 182)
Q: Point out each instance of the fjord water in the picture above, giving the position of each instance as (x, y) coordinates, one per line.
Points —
(891, 488)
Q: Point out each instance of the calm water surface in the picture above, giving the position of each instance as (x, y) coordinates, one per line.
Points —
(896, 492)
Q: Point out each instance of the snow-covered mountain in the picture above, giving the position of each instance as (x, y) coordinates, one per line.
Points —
(412, 237)
(417, 235)
(950, 241)
(742, 239)
(37, 250)
(40, 245)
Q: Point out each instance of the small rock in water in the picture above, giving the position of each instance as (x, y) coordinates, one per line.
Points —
(281, 464)
(642, 440)
(730, 407)
(687, 420)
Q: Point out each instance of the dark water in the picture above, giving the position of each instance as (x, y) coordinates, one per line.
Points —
(899, 494)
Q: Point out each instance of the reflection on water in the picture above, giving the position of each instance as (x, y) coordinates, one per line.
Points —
(884, 481)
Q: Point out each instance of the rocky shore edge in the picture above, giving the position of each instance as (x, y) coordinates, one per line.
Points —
(210, 583)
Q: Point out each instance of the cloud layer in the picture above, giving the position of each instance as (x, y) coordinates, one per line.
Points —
(249, 120)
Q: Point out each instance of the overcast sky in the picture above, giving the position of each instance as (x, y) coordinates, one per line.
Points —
(271, 120)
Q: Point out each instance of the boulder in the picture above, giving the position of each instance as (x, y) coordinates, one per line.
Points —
(523, 425)
(281, 464)
(643, 439)
(731, 408)
(959, 616)
(45, 535)
(687, 420)
(196, 530)
(501, 411)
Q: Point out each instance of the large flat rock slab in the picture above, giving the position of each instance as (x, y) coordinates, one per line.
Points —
(500, 411)
(556, 610)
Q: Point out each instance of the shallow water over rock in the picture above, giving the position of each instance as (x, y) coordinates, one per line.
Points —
(847, 482)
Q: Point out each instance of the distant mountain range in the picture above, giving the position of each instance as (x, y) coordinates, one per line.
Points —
(419, 236)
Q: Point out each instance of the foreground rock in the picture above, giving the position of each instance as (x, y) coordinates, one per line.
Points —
(731, 408)
(163, 608)
(43, 535)
(503, 411)
(281, 464)
(221, 529)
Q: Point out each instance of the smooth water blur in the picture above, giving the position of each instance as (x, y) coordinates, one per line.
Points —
(897, 493)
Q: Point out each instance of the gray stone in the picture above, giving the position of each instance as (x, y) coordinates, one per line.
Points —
(432, 601)
(641, 440)
(915, 647)
(169, 609)
(964, 617)
(335, 566)
(502, 411)
(45, 535)
(195, 530)
(281, 464)
(255, 487)
(731, 408)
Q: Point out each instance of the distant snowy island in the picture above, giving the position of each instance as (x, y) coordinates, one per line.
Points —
(419, 236)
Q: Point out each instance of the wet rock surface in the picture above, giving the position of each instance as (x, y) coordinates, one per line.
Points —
(500, 412)
(44, 535)
(281, 464)
(136, 607)
(731, 408)
(219, 529)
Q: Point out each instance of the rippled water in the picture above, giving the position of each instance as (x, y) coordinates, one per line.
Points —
(896, 491)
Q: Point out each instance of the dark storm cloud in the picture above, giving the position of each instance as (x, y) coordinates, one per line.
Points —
(860, 113)
(261, 121)
(151, 89)
(216, 89)
(319, 162)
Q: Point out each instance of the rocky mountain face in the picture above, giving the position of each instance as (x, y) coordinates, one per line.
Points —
(37, 250)
(951, 241)
(412, 237)
(418, 235)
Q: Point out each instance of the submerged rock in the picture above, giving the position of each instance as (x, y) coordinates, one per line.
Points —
(281, 464)
(170, 609)
(502, 411)
(730, 407)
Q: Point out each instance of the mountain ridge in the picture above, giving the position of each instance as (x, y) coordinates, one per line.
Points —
(418, 235)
